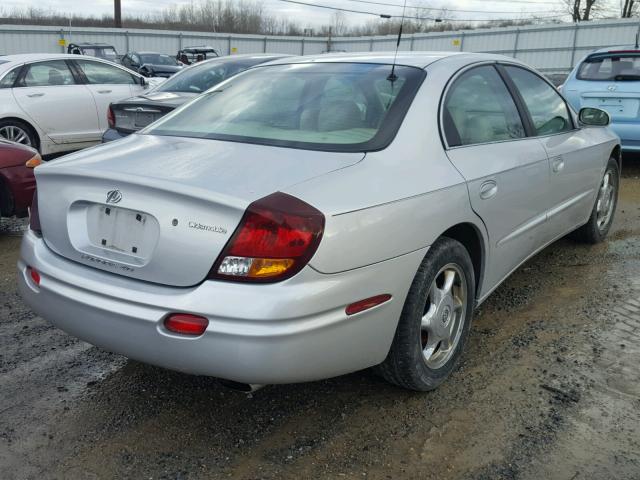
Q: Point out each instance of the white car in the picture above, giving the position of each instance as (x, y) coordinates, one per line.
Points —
(58, 102)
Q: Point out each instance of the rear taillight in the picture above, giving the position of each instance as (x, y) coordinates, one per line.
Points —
(34, 215)
(111, 118)
(276, 238)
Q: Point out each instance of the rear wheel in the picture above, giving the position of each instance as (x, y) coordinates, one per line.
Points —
(435, 320)
(18, 132)
(599, 224)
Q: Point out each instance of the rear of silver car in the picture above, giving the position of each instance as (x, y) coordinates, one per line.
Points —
(113, 261)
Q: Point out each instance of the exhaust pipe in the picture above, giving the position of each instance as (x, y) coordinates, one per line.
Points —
(241, 387)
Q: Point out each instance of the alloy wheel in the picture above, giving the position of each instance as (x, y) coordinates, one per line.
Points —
(606, 201)
(444, 314)
(16, 134)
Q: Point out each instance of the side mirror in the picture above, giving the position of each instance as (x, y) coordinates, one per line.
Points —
(593, 117)
(143, 82)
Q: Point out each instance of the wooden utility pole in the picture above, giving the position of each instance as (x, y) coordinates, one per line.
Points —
(117, 14)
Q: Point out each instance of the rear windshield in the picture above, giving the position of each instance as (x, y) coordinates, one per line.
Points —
(203, 76)
(343, 107)
(106, 53)
(157, 59)
(610, 67)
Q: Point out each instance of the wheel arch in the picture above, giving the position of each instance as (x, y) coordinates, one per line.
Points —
(617, 154)
(471, 238)
(29, 124)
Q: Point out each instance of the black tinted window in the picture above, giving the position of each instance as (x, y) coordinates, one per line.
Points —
(610, 67)
(548, 110)
(480, 109)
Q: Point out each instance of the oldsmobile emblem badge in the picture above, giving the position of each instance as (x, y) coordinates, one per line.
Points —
(114, 196)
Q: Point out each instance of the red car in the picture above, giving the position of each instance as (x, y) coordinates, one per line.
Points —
(17, 182)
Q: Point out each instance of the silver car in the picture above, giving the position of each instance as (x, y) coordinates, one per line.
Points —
(317, 216)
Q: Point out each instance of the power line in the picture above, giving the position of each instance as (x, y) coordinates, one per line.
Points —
(432, 18)
(417, 7)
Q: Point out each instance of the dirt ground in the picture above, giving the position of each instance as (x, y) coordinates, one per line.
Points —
(549, 388)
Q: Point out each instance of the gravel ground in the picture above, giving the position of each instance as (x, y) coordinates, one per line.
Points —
(549, 388)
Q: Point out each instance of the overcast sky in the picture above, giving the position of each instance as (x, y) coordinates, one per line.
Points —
(476, 9)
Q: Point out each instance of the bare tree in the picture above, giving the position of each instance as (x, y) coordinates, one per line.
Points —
(581, 10)
(629, 8)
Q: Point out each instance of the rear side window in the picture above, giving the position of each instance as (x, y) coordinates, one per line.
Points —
(480, 109)
(47, 74)
(610, 68)
(9, 79)
(98, 73)
(548, 110)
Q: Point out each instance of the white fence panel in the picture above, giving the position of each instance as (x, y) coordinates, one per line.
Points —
(490, 42)
(550, 47)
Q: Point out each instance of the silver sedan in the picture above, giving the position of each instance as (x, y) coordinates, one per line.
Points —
(317, 216)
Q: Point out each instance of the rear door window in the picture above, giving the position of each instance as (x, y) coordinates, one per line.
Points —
(549, 112)
(47, 74)
(9, 79)
(610, 68)
(99, 73)
(480, 109)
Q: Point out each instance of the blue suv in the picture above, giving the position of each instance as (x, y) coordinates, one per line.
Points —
(609, 79)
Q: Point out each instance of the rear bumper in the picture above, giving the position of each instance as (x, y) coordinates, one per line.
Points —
(287, 332)
(112, 134)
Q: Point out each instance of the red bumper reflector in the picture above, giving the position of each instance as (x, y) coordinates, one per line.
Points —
(366, 304)
(186, 324)
(35, 276)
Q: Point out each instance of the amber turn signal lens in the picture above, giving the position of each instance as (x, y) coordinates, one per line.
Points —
(34, 161)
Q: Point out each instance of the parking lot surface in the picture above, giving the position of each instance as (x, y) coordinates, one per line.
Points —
(549, 387)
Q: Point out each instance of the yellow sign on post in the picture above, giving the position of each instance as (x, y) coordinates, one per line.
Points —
(62, 42)
(456, 42)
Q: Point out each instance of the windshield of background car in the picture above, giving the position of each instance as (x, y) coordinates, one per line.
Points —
(202, 77)
(342, 107)
(610, 67)
(158, 59)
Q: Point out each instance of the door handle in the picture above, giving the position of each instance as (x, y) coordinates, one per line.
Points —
(34, 95)
(488, 189)
(557, 164)
(104, 91)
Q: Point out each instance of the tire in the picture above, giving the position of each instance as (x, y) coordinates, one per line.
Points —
(599, 224)
(19, 132)
(418, 359)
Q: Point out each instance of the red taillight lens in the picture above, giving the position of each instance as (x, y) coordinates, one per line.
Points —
(366, 304)
(186, 324)
(35, 276)
(111, 118)
(34, 215)
(277, 236)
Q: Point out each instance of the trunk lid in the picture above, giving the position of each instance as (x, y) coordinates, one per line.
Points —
(161, 209)
(621, 99)
(137, 112)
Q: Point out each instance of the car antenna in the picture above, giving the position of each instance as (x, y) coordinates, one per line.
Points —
(392, 76)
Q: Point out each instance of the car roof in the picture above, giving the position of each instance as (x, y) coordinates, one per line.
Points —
(411, 59)
(30, 57)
